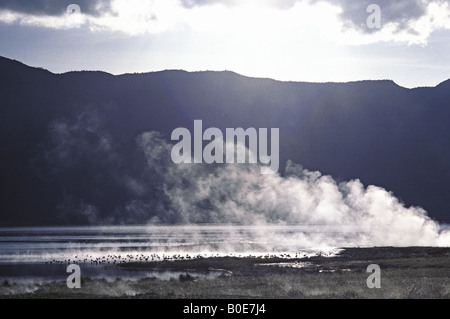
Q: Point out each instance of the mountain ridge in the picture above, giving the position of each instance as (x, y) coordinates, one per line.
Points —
(69, 138)
(381, 81)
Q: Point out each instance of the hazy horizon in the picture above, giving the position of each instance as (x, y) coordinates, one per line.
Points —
(220, 71)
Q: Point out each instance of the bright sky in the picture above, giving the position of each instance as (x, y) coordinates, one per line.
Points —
(298, 40)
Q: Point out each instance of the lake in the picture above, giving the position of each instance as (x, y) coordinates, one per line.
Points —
(43, 253)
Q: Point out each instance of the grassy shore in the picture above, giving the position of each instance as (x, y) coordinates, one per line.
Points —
(414, 272)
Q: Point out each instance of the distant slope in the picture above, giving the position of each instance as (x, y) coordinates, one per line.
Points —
(66, 138)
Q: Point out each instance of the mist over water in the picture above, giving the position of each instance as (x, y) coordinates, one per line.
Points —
(84, 244)
(201, 210)
(157, 191)
(347, 213)
(41, 254)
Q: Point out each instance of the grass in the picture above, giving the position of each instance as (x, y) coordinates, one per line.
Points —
(410, 272)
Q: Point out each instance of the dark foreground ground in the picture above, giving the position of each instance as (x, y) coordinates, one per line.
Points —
(414, 272)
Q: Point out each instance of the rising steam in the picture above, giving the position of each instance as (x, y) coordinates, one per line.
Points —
(150, 189)
(239, 194)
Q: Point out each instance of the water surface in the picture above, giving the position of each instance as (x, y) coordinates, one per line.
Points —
(43, 253)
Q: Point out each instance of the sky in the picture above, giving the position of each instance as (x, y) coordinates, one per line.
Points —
(407, 41)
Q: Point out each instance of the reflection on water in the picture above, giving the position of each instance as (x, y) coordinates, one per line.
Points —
(50, 249)
(44, 244)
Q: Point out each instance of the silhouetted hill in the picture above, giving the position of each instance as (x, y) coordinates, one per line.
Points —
(69, 140)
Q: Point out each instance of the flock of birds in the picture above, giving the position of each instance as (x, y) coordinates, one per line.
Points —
(119, 259)
(129, 258)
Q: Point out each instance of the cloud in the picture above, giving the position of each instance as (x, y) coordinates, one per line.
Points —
(199, 3)
(55, 7)
(407, 21)
(410, 21)
(355, 12)
(400, 12)
(129, 17)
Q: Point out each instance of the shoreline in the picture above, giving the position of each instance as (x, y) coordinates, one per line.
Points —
(407, 272)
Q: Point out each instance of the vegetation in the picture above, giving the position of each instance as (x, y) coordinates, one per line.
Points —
(405, 273)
